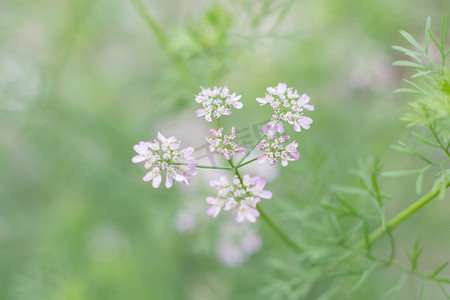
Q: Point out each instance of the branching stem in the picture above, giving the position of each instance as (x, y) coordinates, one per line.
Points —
(162, 38)
(402, 216)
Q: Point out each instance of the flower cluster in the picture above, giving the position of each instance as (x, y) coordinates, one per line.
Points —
(274, 148)
(241, 195)
(163, 157)
(288, 106)
(217, 102)
(224, 144)
(177, 164)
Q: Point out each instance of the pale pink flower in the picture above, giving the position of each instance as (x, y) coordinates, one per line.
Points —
(272, 128)
(224, 144)
(287, 106)
(164, 155)
(217, 102)
(246, 212)
(216, 206)
(241, 196)
(155, 175)
(274, 149)
(279, 90)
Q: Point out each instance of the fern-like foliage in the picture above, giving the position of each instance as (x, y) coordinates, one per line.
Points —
(341, 233)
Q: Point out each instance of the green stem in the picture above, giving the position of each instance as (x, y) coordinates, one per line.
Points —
(251, 150)
(268, 220)
(436, 137)
(214, 168)
(162, 38)
(280, 233)
(399, 218)
(246, 163)
(206, 167)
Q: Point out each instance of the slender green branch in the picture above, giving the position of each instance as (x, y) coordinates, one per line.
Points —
(214, 168)
(250, 151)
(399, 218)
(161, 37)
(436, 137)
(269, 221)
(206, 167)
(280, 233)
(246, 163)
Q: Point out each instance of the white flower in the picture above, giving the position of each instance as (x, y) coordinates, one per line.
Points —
(224, 144)
(288, 106)
(216, 102)
(274, 148)
(246, 212)
(163, 155)
(239, 195)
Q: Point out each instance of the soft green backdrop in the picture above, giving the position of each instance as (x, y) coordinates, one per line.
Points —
(82, 81)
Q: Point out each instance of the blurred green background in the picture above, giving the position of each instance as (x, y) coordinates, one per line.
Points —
(82, 81)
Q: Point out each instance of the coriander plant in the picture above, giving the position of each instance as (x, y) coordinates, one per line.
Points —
(338, 252)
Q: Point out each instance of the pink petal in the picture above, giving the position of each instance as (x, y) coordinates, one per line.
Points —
(282, 87)
(169, 181)
(140, 148)
(215, 183)
(211, 200)
(161, 137)
(251, 218)
(200, 112)
(253, 212)
(262, 101)
(213, 131)
(157, 181)
(148, 176)
(271, 90)
(238, 105)
(265, 194)
(304, 99)
(137, 159)
(213, 211)
(308, 107)
(240, 217)
(179, 178)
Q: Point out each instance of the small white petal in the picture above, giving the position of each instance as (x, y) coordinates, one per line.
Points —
(157, 181)
(169, 181)
(137, 159)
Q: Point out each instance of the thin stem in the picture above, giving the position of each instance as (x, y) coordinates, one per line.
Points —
(214, 168)
(436, 137)
(268, 220)
(161, 37)
(280, 233)
(206, 167)
(250, 151)
(246, 163)
(402, 216)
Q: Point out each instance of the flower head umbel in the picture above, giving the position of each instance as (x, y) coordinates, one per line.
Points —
(217, 102)
(224, 144)
(274, 149)
(241, 196)
(287, 106)
(164, 156)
